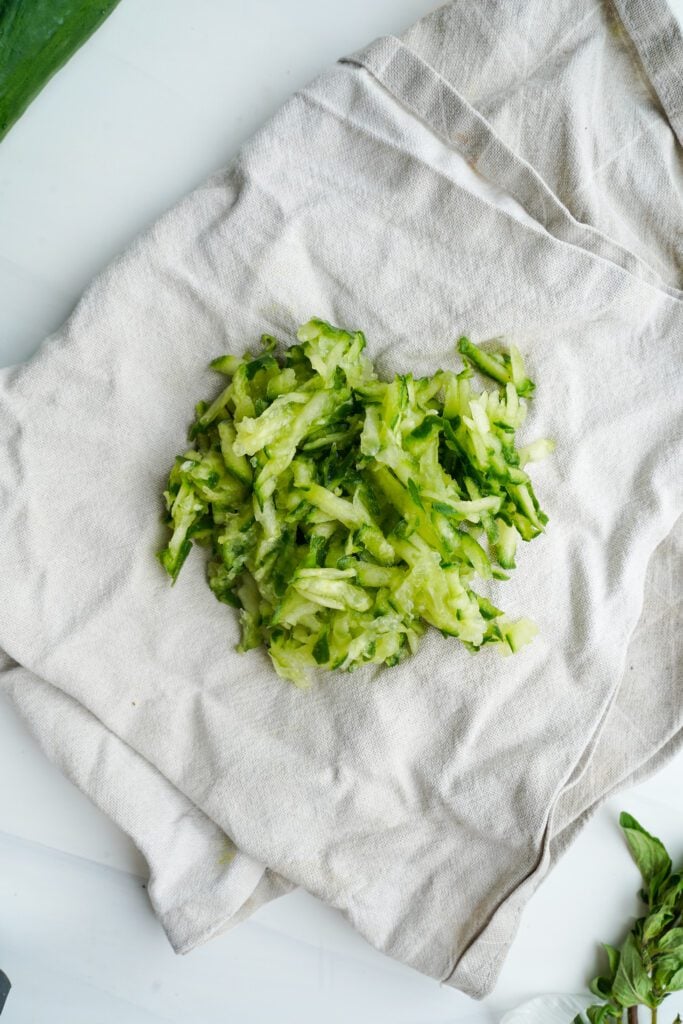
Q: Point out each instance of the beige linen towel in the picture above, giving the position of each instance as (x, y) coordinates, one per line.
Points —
(506, 169)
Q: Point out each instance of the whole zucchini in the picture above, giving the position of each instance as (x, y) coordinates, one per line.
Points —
(37, 37)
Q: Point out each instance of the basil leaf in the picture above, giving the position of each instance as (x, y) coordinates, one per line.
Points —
(672, 942)
(613, 956)
(601, 987)
(676, 982)
(655, 923)
(648, 852)
(672, 891)
(604, 1014)
(632, 985)
(665, 968)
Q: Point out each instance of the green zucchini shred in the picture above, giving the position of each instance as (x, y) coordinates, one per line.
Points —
(345, 513)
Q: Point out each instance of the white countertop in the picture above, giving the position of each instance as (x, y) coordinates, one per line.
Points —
(143, 113)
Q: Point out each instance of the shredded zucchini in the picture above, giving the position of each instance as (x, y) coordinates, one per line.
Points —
(344, 513)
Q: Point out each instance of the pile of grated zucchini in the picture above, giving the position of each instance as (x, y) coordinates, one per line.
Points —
(345, 513)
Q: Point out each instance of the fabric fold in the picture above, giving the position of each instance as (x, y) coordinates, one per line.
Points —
(199, 882)
(414, 83)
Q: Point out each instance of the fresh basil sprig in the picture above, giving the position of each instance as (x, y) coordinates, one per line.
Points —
(649, 965)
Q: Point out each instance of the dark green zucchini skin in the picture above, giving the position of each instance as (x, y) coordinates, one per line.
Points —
(37, 38)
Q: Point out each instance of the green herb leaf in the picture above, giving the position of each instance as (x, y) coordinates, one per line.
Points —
(672, 942)
(601, 987)
(654, 924)
(613, 956)
(664, 969)
(603, 1014)
(676, 981)
(632, 985)
(648, 852)
(672, 891)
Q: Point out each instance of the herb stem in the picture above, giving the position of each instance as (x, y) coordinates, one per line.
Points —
(654, 1015)
(632, 1015)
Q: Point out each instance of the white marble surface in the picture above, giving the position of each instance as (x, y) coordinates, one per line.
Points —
(145, 111)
